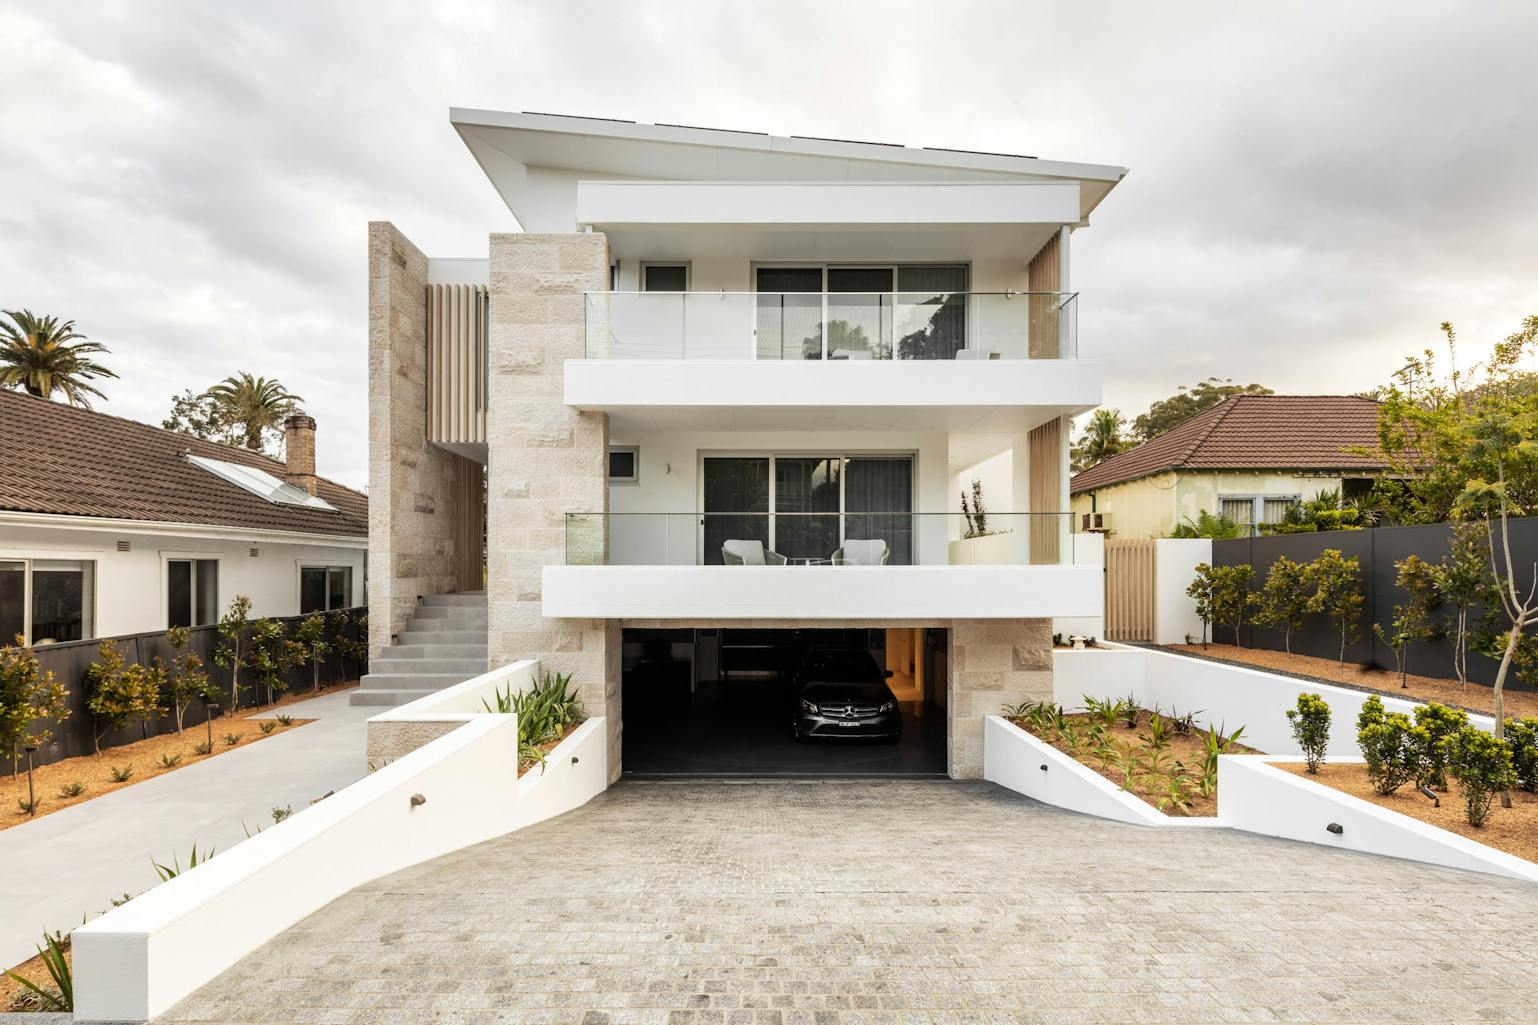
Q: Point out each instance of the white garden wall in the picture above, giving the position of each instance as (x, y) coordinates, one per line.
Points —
(1258, 797)
(138, 960)
(1175, 561)
(1223, 695)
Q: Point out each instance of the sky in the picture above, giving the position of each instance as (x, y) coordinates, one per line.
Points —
(1313, 187)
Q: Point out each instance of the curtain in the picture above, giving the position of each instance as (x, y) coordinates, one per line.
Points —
(806, 506)
(878, 503)
(931, 314)
(736, 504)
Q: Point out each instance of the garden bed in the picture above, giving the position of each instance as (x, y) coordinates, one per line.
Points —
(1471, 697)
(1513, 830)
(1171, 770)
(94, 773)
(16, 997)
(526, 761)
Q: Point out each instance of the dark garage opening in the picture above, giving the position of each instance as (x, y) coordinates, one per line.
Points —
(721, 702)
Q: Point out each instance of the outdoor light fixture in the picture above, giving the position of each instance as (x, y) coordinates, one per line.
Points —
(417, 800)
(1336, 828)
(574, 759)
(30, 747)
(1436, 802)
(213, 710)
(1043, 766)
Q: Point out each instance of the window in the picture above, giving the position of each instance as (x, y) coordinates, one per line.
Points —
(832, 312)
(664, 277)
(192, 592)
(261, 483)
(43, 600)
(324, 588)
(624, 465)
(1249, 511)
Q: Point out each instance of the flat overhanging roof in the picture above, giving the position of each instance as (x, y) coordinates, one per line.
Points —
(506, 144)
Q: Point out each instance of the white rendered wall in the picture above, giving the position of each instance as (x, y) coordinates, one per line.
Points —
(1175, 562)
(1088, 550)
(131, 586)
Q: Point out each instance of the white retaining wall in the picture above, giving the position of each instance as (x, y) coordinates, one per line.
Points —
(138, 960)
(1175, 562)
(1224, 695)
(1260, 798)
(1088, 550)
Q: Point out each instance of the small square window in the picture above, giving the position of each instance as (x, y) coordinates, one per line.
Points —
(665, 277)
(624, 465)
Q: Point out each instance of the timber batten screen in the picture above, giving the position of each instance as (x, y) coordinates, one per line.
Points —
(456, 363)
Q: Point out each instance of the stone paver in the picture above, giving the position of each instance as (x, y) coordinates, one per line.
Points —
(844, 903)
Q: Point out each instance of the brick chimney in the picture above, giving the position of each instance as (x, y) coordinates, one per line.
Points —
(299, 451)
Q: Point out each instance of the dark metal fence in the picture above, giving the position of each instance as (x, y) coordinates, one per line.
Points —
(1377, 549)
(68, 663)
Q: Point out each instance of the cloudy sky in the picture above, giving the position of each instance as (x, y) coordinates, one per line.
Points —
(1313, 187)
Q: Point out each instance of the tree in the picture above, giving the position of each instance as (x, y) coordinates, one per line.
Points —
(1311, 729)
(1284, 598)
(1412, 620)
(120, 693)
(44, 355)
(187, 679)
(272, 655)
(201, 416)
(1481, 764)
(254, 406)
(234, 655)
(1102, 439)
(1201, 589)
(27, 695)
(1206, 524)
(313, 633)
(1232, 600)
(1337, 594)
(1186, 403)
(1461, 580)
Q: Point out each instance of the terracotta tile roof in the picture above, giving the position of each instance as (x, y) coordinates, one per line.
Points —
(58, 459)
(1253, 432)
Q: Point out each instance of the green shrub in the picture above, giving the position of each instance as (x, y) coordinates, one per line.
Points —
(1311, 728)
(122, 773)
(1522, 735)
(74, 789)
(1482, 766)
(1391, 755)
(1371, 714)
(1434, 724)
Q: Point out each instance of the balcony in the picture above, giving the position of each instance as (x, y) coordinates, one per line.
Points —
(818, 566)
(830, 326)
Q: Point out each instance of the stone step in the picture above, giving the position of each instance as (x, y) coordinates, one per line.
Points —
(386, 698)
(412, 681)
(413, 635)
(468, 667)
(471, 599)
(477, 651)
(454, 613)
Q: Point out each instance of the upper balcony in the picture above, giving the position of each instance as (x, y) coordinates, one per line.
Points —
(925, 360)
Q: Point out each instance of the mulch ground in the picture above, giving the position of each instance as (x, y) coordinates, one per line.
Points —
(1513, 830)
(1471, 697)
(93, 772)
(1183, 756)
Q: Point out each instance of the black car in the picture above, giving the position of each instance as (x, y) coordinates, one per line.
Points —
(843, 693)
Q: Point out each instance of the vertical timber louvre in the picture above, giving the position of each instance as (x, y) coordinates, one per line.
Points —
(1129, 589)
(456, 363)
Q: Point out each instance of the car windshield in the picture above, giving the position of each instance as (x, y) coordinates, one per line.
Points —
(843, 667)
(871, 692)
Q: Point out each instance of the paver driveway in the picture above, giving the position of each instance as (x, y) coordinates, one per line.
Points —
(892, 902)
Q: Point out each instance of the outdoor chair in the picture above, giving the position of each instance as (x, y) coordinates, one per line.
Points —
(749, 553)
(862, 553)
(976, 354)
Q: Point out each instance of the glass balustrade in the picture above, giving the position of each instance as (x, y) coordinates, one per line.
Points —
(831, 325)
(818, 539)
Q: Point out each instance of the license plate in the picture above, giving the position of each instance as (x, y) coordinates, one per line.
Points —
(848, 725)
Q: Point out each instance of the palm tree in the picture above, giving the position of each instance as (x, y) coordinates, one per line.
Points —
(254, 405)
(43, 355)
(1101, 439)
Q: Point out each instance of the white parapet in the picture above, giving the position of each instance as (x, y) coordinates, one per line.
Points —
(138, 960)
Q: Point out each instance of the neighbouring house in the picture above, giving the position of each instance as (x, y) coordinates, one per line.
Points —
(111, 527)
(712, 409)
(1248, 458)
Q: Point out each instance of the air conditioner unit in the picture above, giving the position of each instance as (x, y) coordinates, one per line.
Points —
(1096, 523)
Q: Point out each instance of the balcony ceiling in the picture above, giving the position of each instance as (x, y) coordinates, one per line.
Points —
(1004, 242)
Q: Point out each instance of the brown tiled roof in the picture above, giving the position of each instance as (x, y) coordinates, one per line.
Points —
(1254, 432)
(58, 459)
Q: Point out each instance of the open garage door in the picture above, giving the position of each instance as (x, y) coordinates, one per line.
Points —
(785, 703)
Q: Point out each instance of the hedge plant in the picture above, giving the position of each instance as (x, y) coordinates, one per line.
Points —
(1482, 766)
(1311, 728)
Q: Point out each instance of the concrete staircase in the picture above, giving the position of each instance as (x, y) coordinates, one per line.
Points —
(444, 643)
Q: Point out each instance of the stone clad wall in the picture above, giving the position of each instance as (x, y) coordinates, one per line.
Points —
(411, 483)
(994, 662)
(546, 460)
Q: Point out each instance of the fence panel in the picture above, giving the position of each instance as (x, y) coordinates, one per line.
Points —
(1129, 589)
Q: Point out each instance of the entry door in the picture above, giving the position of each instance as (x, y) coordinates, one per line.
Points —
(736, 506)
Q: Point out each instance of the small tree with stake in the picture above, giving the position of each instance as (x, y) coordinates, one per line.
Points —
(1462, 580)
(1201, 589)
(313, 633)
(27, 695)
(234, 654)
(1337, 594)
(120, 693)
(1284, 598)
(1412, 620)
(187, 679)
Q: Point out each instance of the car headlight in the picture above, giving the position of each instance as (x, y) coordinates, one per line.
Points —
(889, 706)
(807, 706)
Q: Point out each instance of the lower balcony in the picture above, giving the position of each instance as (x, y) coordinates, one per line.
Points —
(874, 566)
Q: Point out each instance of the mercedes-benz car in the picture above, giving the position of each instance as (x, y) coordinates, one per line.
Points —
(843, 693)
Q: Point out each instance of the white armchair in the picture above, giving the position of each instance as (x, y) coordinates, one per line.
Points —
(749, 553)
(862, 553)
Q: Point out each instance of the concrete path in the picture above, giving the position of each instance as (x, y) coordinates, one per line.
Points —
(62, 866)
(871, 902)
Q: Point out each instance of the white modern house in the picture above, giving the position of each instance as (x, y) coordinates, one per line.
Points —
(111, 527)
(719, 401)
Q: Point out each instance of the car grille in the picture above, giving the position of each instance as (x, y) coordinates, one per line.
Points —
(851, 711)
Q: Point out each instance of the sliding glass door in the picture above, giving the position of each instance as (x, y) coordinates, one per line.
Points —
(909, 311)
(788, 309)
(806, 506)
